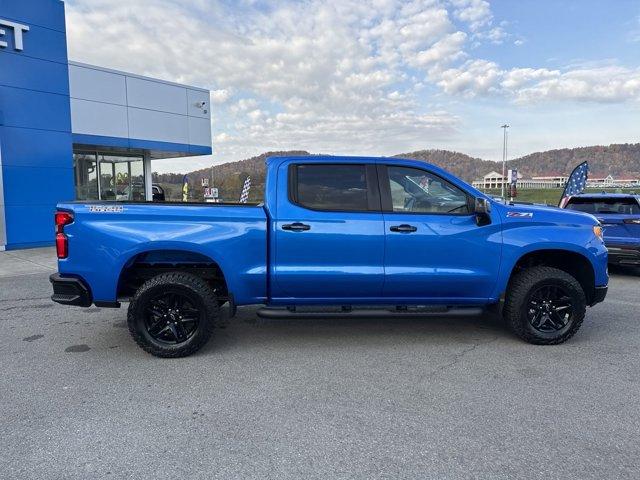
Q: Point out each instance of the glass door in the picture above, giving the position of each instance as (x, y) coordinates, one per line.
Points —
(101, 176)
(121, 178)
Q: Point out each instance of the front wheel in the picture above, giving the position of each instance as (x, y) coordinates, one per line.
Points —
(172, 314)
(544, 305)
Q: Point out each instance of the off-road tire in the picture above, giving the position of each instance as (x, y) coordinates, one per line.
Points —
(192, 285)
(522, 286)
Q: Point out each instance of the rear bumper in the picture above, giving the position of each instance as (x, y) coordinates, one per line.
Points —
(599, 295)
(70, 291)
(624, 255)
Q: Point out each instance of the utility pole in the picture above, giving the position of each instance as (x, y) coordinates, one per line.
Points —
(504, 158)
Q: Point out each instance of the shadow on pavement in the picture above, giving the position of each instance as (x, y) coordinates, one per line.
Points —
(625, 270)
(247, 330)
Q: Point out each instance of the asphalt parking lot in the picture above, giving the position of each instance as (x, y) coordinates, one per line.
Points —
(397, 398)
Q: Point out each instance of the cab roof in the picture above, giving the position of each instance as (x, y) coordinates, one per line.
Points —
(607, 195)
(353, 159)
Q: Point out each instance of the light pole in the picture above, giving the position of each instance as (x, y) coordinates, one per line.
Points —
(504, 157)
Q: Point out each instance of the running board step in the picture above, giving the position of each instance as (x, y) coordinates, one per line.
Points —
(306, 312)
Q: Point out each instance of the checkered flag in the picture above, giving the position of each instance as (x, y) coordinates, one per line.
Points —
(244, 196)
(576, 183)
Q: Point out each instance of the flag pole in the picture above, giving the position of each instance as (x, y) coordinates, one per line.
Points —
(504, 159)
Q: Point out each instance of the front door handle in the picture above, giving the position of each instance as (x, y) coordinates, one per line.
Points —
(404, 228)
(296, 227)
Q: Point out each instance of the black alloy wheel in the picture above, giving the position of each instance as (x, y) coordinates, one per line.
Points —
(550, 308)
(544, 305)
(171, 317)
(173, 314)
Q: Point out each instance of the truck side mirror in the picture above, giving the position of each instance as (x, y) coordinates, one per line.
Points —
(482, 209)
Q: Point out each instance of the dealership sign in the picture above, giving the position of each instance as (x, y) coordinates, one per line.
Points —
(17, 28)
(210, 192)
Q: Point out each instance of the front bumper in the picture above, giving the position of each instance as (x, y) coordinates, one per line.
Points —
(599, 295)
(624, 255)
(70, 291)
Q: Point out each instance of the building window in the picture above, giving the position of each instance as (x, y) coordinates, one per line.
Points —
(120, 177)
(86, 176)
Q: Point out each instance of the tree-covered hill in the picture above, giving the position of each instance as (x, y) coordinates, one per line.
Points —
(619, 160)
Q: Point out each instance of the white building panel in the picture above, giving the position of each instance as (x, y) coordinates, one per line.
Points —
(158, 126)
(96, 118)
(157, 96)
(199, 131)
(97, 85)
(198, 101)
(116, 104)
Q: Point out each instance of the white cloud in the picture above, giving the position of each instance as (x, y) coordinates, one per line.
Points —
(605, 85)
(319, 74)
(608, 84)
(382, 134)
(220, 96)
(496, 35)
(244, 105)
(326, 75)
(448, 49)
(475, 77)
(222, 138)
(477, 13)
(518, 77)
(255, 115)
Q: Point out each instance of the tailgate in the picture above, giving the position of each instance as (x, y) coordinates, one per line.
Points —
(620, 229)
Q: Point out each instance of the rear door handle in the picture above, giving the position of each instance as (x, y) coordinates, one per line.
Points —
(296, 227)
(404, 228)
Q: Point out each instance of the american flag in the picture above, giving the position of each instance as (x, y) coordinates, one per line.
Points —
(577, 181)
(244, 196)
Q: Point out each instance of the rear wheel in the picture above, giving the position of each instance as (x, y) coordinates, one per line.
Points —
(173, 314)
(544, 305)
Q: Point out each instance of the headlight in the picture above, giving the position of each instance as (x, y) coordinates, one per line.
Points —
(597, 231)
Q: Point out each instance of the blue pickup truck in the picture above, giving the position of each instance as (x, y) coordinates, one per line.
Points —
(335, 236)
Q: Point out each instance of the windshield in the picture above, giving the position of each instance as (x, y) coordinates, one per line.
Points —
(625, 206)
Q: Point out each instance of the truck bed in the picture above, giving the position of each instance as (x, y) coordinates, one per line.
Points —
(106, 237)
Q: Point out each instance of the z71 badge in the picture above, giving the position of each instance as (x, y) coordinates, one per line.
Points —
(520, 214)
(106, 208)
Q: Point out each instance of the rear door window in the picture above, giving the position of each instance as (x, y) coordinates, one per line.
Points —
(615, 206)
(335, 187)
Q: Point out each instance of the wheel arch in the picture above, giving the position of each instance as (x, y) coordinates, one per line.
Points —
(147, 263)
(575, 264)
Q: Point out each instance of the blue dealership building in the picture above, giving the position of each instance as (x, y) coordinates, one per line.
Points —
(71, 131)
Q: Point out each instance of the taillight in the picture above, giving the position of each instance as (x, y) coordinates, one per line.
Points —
(62, 244)
(62, 219)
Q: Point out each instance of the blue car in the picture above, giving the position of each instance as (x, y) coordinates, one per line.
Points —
(619, 215)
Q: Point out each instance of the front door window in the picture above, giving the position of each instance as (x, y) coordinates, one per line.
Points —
(419, 191)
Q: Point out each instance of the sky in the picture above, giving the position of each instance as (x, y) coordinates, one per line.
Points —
(380, 77)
